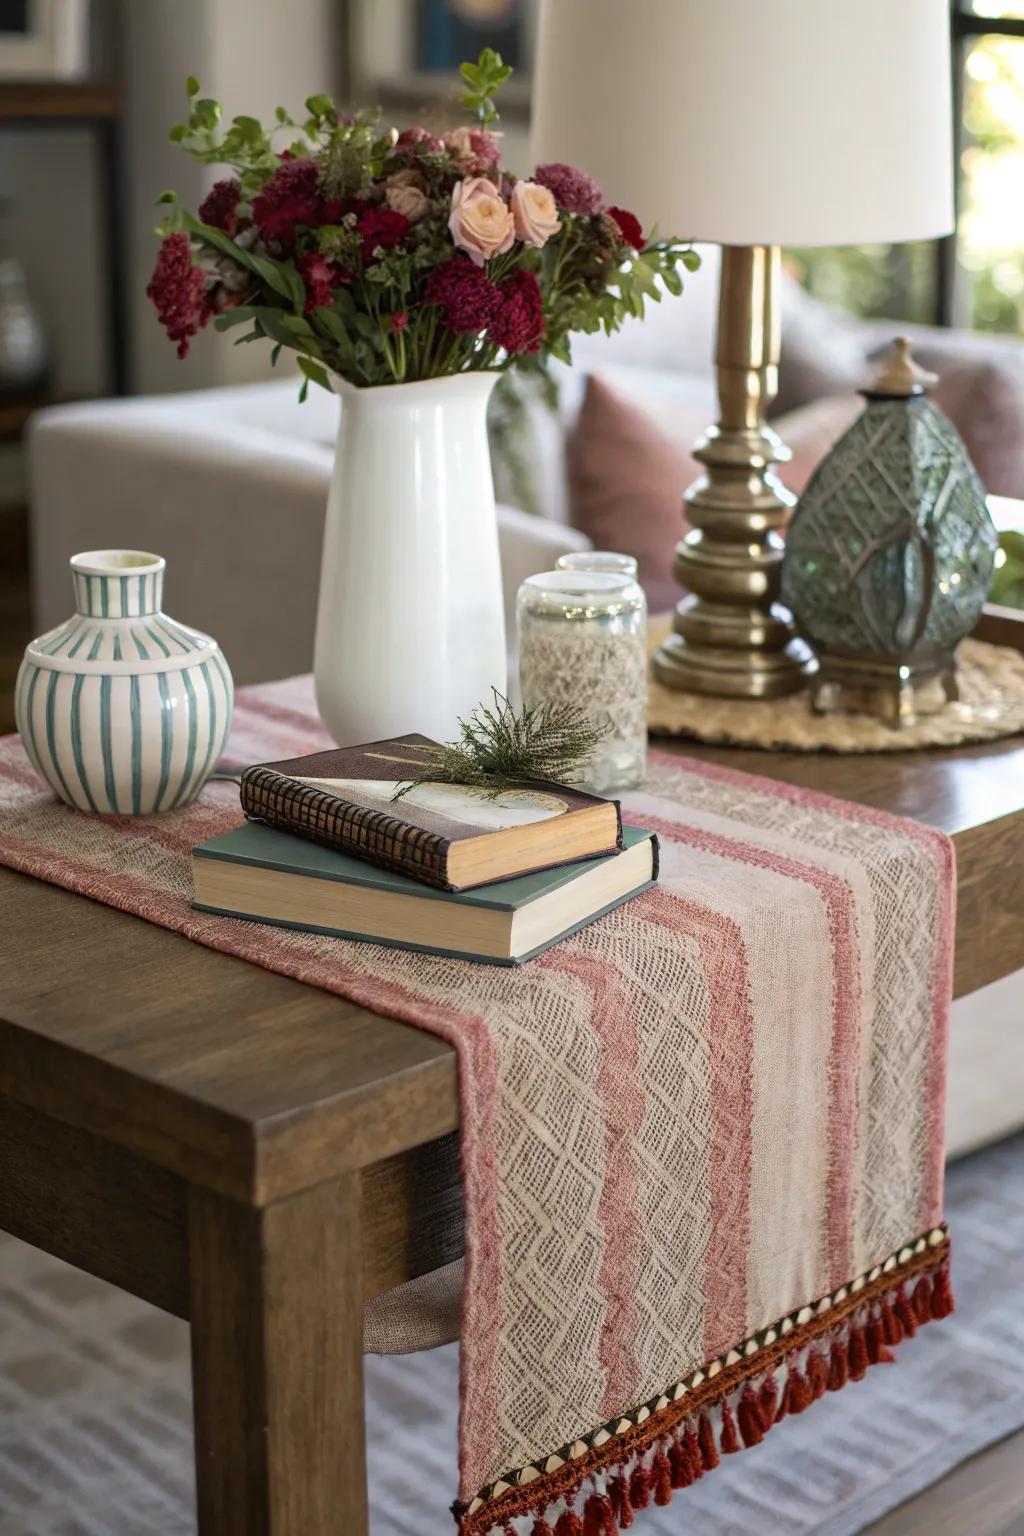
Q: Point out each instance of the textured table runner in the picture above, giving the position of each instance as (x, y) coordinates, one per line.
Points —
(701, 1140)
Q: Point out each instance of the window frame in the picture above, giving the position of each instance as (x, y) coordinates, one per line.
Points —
(965, 26)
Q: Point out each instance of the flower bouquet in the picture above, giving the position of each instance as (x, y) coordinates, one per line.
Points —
(387, 258)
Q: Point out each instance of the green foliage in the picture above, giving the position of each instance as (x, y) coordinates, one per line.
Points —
(499, 748)
(1008, 580)
(483, 79)
(508, 427)
(244, 145)
(585, 290)
(354, 154)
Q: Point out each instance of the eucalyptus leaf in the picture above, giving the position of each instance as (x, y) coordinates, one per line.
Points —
(237, 316)
(315, 373)
(206, 113)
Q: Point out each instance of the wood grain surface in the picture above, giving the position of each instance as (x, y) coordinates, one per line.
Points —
(277, 1363)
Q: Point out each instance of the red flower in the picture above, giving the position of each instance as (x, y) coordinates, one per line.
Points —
(417, 141)
(321, 277)
(573, 190)
(289, 197)
(218, 208)
(381, 229)
(465, 293)
(179, 291)
(399, 321)
(518, 321)
(629, 225)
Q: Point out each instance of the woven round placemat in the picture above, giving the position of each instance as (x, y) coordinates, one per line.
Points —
(991, 705)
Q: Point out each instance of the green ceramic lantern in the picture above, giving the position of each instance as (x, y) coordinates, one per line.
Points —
(890, 553)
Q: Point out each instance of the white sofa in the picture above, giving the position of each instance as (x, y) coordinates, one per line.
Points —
(231, 484)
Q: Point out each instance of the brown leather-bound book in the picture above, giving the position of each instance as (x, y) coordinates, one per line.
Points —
(446, 835)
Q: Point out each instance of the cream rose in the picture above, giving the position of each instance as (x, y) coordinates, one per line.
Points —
(474, 150)
(534, 213)
(481, 222)
(405, 194)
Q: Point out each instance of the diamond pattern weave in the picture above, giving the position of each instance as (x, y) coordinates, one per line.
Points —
(710, 1107)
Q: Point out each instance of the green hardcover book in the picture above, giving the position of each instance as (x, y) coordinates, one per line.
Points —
(272, 877)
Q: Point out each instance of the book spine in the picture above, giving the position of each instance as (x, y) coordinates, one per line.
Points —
(353, 829)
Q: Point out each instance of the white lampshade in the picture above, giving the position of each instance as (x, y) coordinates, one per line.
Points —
(754, 122)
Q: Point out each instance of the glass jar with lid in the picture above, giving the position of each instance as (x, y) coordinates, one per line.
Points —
(583, 641)
(598, 560)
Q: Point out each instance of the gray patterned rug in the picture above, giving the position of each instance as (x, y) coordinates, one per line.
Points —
(95, 1431)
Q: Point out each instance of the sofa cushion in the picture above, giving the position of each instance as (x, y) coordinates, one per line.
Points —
(985, 402)
(626, 479)
(630, 459)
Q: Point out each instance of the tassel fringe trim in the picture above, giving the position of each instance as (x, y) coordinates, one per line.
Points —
(594, 1486)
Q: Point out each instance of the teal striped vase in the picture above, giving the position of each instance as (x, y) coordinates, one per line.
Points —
(122, 710)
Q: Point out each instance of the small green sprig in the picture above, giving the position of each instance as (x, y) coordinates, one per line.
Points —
(498, 748)
(483, 78)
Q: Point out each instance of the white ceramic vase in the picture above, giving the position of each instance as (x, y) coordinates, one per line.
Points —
(121, 709)
(410, 629)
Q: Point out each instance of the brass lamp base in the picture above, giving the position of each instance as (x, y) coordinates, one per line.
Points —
(731, 636)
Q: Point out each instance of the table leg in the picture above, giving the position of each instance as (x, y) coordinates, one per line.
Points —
(277, 1363)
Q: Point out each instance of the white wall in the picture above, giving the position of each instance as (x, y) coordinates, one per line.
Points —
(250, 55)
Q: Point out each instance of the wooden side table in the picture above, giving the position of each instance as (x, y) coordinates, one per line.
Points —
(260, 1157)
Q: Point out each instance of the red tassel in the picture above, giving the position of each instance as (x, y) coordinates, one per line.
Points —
(942, 1294)
(639, 1487)
(922, 1300)
(541, 1527)
(817, 1374)
(767, 1402)
(662, 1479)
(618, 1492)
(905, 1312)
(749, 1419)
(798, 1392)
(569, 1524)
(682, 1470)
(692, 1452)
(839, 1366)
(873, 1339)
(892, 1328)
(706, 1441)
(598, 1519)
(730, 1441)
(859, 1359)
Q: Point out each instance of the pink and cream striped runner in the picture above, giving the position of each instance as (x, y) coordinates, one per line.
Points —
(702, 1140)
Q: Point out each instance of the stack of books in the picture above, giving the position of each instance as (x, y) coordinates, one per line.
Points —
(445, 868)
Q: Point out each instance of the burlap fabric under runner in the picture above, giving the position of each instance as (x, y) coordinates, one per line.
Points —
(990, 706)
(701, 1140)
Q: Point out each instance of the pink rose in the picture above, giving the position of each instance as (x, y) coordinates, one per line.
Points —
(534, 212)
(405, 194)
(481, 223)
